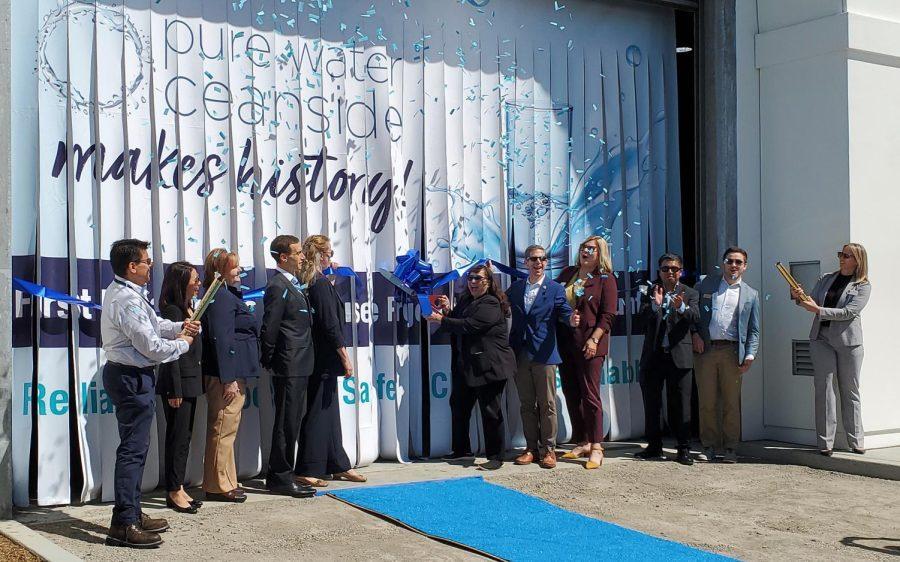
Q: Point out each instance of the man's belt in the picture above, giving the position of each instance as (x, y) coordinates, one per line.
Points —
(722, 342)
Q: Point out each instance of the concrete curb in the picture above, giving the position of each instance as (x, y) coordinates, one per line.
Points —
(844, 462)
(35, 542)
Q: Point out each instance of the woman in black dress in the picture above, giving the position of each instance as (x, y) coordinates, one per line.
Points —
(321, 445)
(482, 362)
(179, 383)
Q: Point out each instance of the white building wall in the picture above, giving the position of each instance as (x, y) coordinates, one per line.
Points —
(874, 201)
(818, 124)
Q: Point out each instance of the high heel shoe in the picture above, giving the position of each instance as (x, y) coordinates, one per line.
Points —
(590, 465)
(171, 504)
(573, 455)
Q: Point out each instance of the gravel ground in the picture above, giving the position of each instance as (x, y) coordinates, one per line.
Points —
(12, 552)
(751, 510)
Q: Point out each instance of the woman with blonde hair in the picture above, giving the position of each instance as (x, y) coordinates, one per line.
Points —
(836, 345)
(591, 292)
(321, 445)
(230, 358)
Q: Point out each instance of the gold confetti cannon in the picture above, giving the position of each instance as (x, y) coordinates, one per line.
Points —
(791, 281)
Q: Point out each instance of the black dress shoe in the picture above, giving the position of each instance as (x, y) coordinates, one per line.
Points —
(684, 457)
(491, 464)
(191, 508)
(153, 524)
(132, 536)
(234, 496)
(858, 450)
(649, 454)
(826, 452)
(454, 456)
(294, 490)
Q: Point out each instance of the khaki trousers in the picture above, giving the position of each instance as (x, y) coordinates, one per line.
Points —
(222, 421)
(719, 383)
(536, 383)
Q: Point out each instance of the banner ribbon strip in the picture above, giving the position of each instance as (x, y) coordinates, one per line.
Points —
(43, 292)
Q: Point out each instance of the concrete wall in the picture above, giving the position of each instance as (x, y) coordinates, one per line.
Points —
(746, 195)
(5, 270)
(817, 113)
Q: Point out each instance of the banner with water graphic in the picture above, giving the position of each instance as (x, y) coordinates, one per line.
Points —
(464, 130)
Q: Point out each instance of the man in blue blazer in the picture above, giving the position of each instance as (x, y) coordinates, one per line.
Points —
(726, 340)
(537, 304)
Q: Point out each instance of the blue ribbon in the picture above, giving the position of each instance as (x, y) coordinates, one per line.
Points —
(255, 294)
(341, 271)
(41, 291)
(344, 271)
(415, 278)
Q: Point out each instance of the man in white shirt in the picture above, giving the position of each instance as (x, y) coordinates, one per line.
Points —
(135, 341)
(726, 340)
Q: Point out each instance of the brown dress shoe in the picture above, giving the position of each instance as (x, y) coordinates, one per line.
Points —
(525, 458)
(233, 496)
(132, 536)
(153, 525)
(548, 460)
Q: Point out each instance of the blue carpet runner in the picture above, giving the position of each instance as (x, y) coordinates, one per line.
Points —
(510, 525)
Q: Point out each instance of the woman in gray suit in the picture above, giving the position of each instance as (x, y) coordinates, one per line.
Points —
(836, 345)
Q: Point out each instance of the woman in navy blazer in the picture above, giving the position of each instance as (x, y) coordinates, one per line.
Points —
(230, 357)
(591, 291)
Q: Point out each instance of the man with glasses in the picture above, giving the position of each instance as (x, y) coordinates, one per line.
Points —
(669, 311)
(726, 340)
(537, 304)
(135, 341)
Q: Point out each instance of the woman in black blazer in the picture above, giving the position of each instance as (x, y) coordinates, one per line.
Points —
(230, 357)
(179, 383)
(482, 362)
(321, 444)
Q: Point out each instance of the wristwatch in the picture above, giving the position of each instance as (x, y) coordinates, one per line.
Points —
(595, 340)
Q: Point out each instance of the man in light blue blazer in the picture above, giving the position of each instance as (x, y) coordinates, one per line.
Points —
(726, 342)
(537, 304)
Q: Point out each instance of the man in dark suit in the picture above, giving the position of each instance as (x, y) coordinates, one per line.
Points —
(537, 304)
(287, 350)
(668, 310)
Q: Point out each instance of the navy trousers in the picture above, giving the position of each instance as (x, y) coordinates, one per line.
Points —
(133, 394)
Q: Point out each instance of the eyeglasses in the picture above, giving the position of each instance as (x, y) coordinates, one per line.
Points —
(537, 258)
(476, 278)
(589, 250)
(844, 256)
(329, 254)
(148, 261)
(734, 262)
(670, 269)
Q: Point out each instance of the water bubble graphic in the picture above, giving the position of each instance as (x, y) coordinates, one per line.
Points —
(633, 56)
(55, 29)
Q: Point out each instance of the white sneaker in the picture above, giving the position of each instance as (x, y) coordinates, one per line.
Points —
(708, 455)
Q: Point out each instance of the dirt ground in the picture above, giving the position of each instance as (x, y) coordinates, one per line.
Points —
(751, 510)
(12, 552)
